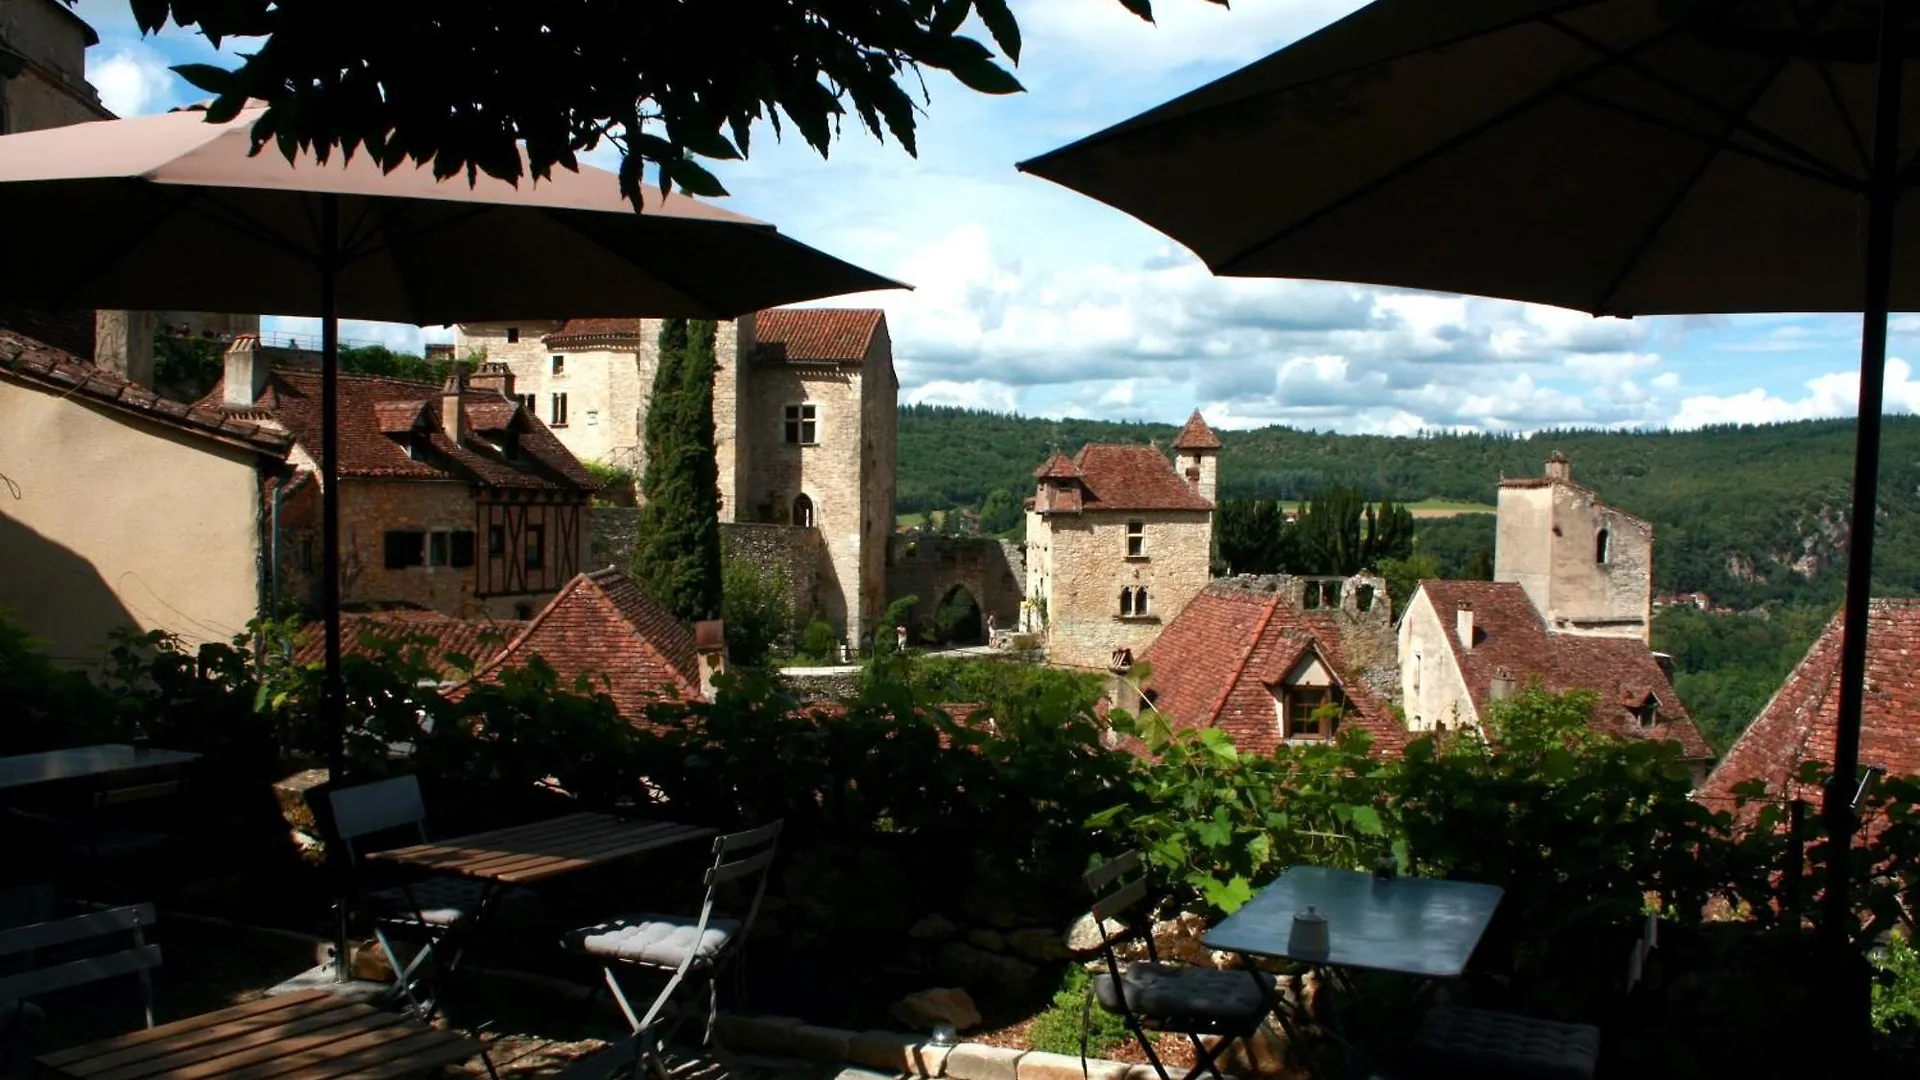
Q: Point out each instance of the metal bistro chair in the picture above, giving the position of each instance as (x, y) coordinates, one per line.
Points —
(689, 950)
(435, 909)
(60, 954)
(1150, 995)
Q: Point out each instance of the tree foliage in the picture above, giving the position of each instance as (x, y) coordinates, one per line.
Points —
(1000, 513)
(676, 555)
(466, 84)
(1340, 532)
(754, 604)
(1254, 537)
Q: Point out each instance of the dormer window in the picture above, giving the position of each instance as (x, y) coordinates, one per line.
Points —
(1309, 701)
(1647, 712)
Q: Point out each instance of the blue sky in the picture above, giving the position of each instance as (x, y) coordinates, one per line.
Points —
(1033, 299)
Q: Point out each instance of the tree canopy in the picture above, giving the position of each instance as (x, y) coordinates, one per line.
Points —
(464, 84)
(676, 554)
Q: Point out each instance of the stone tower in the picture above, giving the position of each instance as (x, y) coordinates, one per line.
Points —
(1197, 457)
(1587, 567)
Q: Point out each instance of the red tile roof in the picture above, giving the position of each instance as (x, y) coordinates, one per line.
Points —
(816, 335)
(1119, 477)
(478, 640)
(1216, 665)
(601, 626)
(33, 363)
(580, 331)
(1798, 724)
(1057, 467)
(69, 330)
(369, 404)
(1510, 638)
(1197, 435)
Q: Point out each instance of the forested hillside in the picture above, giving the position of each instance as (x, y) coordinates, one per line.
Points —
(1749, 514)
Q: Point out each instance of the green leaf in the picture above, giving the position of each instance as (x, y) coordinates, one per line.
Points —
(1002, 25)
(1260, 850)
(948, 15)
(694, 179)
(1367, 820)
(214, 80)
(986, 77)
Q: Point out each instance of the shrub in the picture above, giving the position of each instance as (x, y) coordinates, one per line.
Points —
(1074, 1023)
(754, 605)
(819, 642)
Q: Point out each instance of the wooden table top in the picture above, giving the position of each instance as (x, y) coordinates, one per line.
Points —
(544, 849)
(311, 1035)
(81, 762)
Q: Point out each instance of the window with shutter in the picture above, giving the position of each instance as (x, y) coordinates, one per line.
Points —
(405, 548)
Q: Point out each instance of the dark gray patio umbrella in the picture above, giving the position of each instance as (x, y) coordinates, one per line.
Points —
(1621, 157)
(171, 213)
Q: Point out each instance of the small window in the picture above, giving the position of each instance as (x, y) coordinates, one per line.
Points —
(513, 335)
(523, 612)
(559, 413)
(529, 402)
(802, 424)
(461, 548)
(439, 549)
(1140, 600)
(803, 511)
(1312, 713)
(306, 553)
(1648, 713)
(496, 539)
(1602, 544)
(559, 365)
(405, 548)
(1136, 539)
(536, 546)
(593, 416)
(1126, 603)
(1416, 673)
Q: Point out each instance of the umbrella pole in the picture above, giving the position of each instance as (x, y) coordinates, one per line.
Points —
(1849, 994)
(332, 687)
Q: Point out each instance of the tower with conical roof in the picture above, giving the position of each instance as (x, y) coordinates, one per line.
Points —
(1197, 457)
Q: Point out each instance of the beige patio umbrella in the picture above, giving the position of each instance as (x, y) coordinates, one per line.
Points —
(1620, 157)
(169, 212)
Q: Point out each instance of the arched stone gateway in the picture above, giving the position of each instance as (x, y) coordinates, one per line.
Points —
(958, 620)
(932, 567)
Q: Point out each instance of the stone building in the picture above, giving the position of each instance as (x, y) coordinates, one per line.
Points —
(1117, 544)
(1568, 608)
(122, 508)
(1587, 567)
(43, 67)
(452, 498)
(1248, 657)
(804, 426)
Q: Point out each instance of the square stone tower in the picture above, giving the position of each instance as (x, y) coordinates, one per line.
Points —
(1587, 567)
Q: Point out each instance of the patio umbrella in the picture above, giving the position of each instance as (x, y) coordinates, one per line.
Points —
(1620, 157)
(169, 212)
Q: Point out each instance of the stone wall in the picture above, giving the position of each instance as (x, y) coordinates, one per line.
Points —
(929, 566)
(1086, 566)
(610, 540)
(52, 90)
(1362, 611)
(1547, 541)
(793, 552)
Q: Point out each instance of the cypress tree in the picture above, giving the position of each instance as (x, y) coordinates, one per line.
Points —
(676, 556)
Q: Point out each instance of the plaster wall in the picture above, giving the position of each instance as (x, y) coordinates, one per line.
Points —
(118, 521)
(1432, 690)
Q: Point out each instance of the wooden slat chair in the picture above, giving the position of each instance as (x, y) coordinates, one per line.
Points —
(437, 910)
(1156, 996)
(690, 950)
(59, 954)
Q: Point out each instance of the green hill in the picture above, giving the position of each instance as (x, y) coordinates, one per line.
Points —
(1750, 514)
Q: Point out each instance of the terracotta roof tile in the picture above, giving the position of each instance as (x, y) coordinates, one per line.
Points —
(1197, 435)
(476, 639)
(603, 627)
(1217, 662)
(33, 362)
(1120, 477)
(370, 403)
(816, 335)
(1058, 466)
(576, 331)
(69, 331)
(1510, 638)
(1799, 723)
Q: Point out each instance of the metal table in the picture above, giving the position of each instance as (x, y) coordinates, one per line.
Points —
(1414, 926)
(116, 761)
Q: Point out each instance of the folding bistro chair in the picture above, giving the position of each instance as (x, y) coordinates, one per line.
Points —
(438, 910)
(689, 950)
(1152, 995)
(51, 955)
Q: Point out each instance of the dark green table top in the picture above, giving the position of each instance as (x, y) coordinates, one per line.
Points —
(1415, 926)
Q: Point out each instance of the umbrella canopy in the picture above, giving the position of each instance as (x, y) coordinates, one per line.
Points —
(169, 212)
(1621, 157)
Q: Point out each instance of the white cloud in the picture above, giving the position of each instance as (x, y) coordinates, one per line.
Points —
(977, 394)
(133, 80)
(305, 332)
(1833, 394)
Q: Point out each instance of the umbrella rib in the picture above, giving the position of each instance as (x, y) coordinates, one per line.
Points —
(1680, 195)
(1609, 59)
(1846, 118)
(1653, 120)
(1779, 142)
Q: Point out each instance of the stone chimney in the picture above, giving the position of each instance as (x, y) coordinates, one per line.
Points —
(123, 344)
(1558, 467)
(710, 653)
(1463, 626)
(1502, 687)
(453, 419)
(492, 375)
(246, 373)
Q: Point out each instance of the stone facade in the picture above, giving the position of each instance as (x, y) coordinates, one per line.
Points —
(839, 481)
(930, 567)
(796, 554)
(43, 67)
(1117, 545)
(1586, 566)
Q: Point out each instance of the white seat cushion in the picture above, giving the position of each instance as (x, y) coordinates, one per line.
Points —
(444, 901)
(658, 940)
